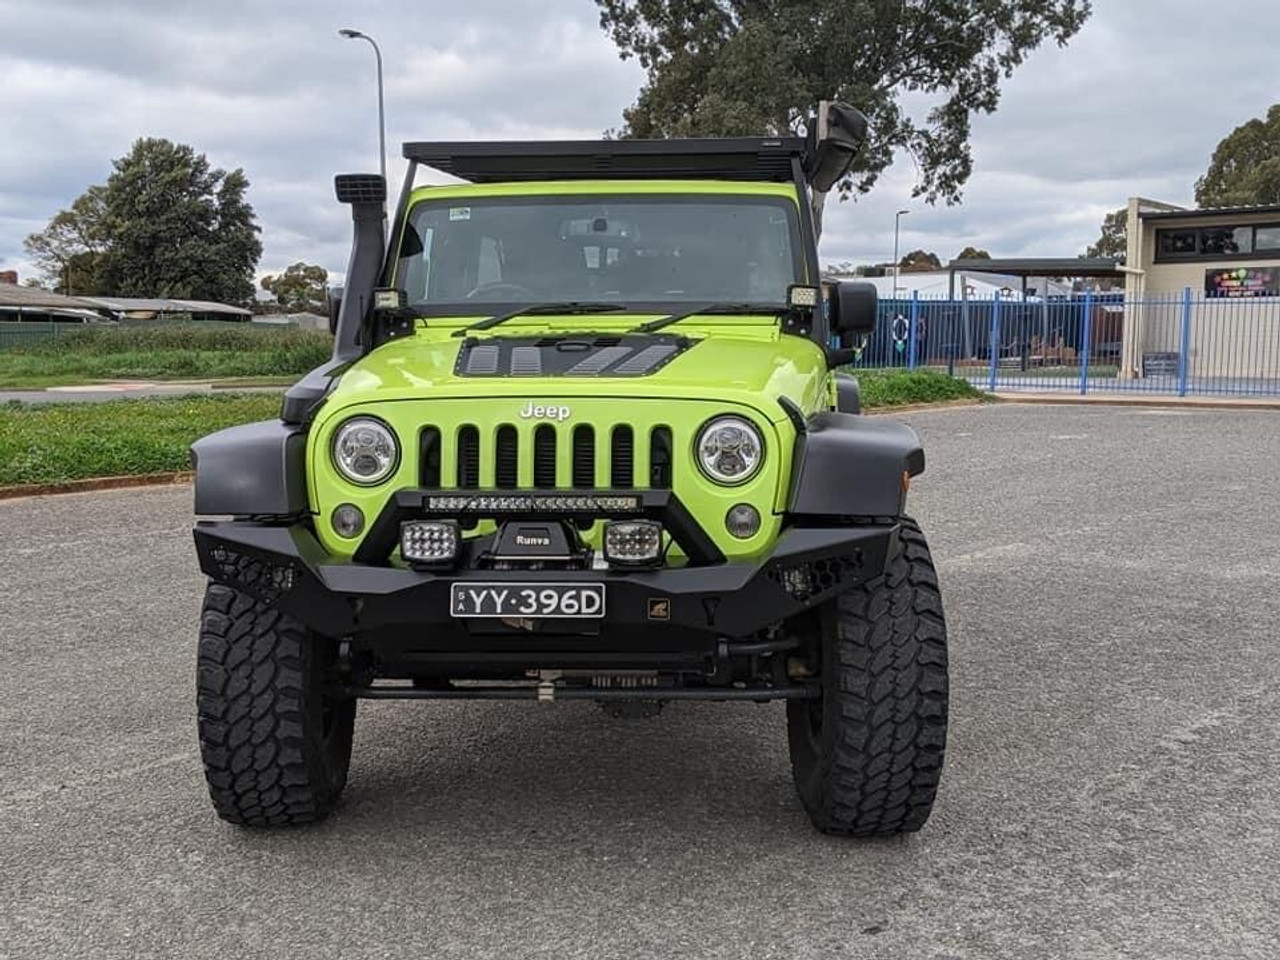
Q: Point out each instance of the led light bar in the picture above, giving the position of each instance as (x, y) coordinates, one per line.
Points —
(633, 542)
(429, 541)
(524, 503)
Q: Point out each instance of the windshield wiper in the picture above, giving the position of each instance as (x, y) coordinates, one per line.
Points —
(709, 309)
(543, 309)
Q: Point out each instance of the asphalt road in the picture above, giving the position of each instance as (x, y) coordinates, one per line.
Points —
(1111, 788)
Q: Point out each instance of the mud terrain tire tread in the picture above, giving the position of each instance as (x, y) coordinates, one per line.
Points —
(873, 768)
(267, 758)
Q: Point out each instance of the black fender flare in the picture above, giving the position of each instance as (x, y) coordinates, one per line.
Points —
(845, 465)
(253, 469)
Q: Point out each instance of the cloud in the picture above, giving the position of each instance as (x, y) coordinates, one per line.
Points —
(1134, 105)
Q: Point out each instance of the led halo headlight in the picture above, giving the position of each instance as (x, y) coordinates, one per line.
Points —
(365, 451)
(730, 450)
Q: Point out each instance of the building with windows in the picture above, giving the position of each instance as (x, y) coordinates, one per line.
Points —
(1203, 281)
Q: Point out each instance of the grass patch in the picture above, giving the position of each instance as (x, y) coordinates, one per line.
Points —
(176, 351)
(895, 388)
(56, 442)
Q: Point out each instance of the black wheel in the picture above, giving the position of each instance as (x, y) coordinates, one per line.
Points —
(275, 746)
(867, 756)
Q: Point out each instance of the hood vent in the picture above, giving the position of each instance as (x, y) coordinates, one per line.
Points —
(569, 356)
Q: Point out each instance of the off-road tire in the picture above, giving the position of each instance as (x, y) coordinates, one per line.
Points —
(275, 747)
(867, 757)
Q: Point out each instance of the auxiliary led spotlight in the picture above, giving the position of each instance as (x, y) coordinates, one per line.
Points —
(633, 542)
(429, 541)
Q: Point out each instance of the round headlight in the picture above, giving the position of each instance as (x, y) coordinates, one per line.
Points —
(365, 451)
(730, 450)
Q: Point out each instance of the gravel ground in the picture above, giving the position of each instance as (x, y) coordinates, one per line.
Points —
(1111, 785)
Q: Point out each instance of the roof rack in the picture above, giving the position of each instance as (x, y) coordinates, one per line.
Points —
(730, 158)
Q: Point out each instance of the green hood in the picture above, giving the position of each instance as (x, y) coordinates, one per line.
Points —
(740, 360)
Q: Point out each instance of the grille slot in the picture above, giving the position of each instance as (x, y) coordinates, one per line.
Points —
(429, 458)
(584, 456)
(468, 458)
(544, 456)
(622, 455)
(660, 458)
(506, 451)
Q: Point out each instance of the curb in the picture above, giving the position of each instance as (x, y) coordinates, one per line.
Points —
(920, 407)
(1157, 402)
(94, 484)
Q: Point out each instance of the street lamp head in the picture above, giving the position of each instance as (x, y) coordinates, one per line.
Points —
(902, 213)
(349, 33)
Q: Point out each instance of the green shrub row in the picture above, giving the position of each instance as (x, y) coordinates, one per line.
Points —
(165, 351)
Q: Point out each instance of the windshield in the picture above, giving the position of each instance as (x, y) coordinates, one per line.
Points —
(658, 251)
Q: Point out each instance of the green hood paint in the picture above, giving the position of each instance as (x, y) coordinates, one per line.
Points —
(740, 360)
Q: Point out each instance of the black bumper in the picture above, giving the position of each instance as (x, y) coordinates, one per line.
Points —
(678, 607)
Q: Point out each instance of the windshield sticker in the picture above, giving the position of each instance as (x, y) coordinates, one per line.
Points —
(459, 213)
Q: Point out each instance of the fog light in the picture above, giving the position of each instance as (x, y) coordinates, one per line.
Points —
(743, 521)
(429, 541)
(348, 520)
(633, 542)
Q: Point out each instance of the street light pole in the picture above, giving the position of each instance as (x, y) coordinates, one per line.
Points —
(382, 116)
(897, 227)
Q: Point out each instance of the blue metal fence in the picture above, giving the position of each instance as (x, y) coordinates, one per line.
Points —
(1088, 343)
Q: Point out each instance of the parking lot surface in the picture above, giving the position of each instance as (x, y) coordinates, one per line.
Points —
(1111, 581)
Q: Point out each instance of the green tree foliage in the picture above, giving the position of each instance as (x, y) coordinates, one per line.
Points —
(1245, 168)
(973, 253)
(919, 261)
(1113, 241)
(299, 289)
(165, 224)
(69, 250)
(741, 67)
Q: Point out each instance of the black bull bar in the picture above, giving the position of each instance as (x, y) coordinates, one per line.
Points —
(286, 566)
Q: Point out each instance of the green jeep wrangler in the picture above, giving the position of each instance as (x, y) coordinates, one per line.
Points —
(582, 438)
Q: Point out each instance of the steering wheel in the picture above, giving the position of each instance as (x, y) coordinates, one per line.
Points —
(520, 293)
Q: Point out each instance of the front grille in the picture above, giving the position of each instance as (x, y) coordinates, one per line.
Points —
(546, 457)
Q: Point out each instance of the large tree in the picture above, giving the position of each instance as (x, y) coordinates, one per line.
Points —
(299, 289)
(973, 253)
(742, 67)
(1245, 168)
(1113, 241)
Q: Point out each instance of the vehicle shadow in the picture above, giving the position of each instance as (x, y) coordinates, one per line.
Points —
(517, 768)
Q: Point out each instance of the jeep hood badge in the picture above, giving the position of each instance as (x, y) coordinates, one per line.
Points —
(539, 411)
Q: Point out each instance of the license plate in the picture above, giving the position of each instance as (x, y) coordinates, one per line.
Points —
(526, 600)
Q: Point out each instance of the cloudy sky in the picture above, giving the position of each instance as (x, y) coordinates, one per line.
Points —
(1134, 106)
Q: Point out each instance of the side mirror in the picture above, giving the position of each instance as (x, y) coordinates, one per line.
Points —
(851, 308)
(334, 296)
